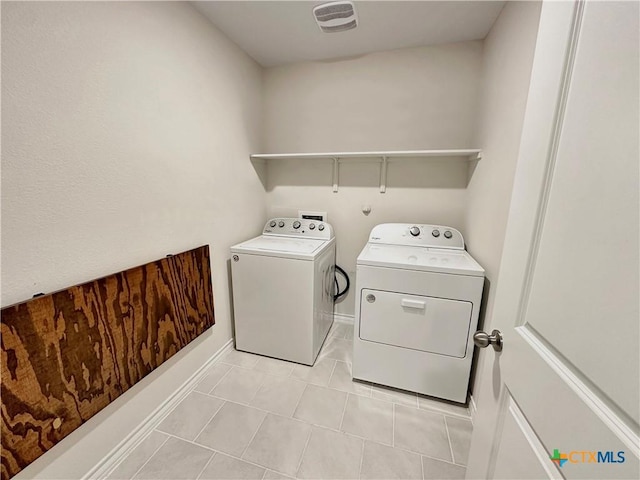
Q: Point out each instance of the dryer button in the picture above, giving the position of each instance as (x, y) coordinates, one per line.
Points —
(321, 227)
(448, 234)
(281, 224)
(436, 233)
(312, 226)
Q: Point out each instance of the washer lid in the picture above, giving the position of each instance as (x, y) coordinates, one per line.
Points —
(420, 258)
(265, 243)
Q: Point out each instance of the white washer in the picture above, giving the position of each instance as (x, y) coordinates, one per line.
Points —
(283, 289)
(418, 295)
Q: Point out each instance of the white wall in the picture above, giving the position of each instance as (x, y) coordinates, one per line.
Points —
(126, 134)
(417, 98)
(506, 70)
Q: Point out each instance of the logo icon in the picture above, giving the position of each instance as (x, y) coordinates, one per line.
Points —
(587, 456)
(559, 458)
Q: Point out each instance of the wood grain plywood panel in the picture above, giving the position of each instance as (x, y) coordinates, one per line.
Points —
(67, 355)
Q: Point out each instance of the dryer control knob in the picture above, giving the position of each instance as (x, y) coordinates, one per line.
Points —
(448, 234)
(415, 231)
(436, 233)
(281, 224)
(296, 224)
(321, 227)
(312, 226)
(272, 223)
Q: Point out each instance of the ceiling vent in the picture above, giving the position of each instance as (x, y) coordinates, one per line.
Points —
(335, 16)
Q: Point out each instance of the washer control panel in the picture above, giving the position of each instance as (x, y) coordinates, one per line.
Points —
(298, 227)
(417, 235)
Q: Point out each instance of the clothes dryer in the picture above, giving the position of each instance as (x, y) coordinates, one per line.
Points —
(418, 296)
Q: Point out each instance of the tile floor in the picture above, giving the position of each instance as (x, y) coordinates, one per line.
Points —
(256, 417)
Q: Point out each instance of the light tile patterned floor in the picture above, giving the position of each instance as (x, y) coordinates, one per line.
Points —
(256, 417)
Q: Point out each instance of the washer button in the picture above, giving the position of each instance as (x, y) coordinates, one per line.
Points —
(296, 224)
(312, 226)
(436, 233)
(448, 234)
(415, 231)
(321, 227)
(281, 224)
(272, 223)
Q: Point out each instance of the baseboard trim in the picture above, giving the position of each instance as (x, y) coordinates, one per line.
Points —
(110, 461)
(472, 409)
(342, 318)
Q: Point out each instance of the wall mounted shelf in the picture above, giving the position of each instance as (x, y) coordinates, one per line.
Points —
(469, 154)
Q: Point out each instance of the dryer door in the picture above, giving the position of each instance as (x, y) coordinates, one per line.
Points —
(429, 324)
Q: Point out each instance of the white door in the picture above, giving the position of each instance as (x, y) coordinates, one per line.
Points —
(566, 383)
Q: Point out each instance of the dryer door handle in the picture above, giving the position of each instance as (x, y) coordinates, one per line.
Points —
(405, 302)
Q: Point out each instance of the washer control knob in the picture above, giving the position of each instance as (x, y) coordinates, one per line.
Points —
(436, 233)
(281, 224)
(296, 224)
(321, 227)
(272, 223)
(448, 234)
(415, 231)
(312, 226)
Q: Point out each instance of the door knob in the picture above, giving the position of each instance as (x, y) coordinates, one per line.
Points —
(483, 340)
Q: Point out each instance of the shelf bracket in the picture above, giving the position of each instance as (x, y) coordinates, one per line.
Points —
(335, 174)
(383, 175)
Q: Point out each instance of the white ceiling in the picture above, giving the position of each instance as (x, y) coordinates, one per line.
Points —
(279, 32)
